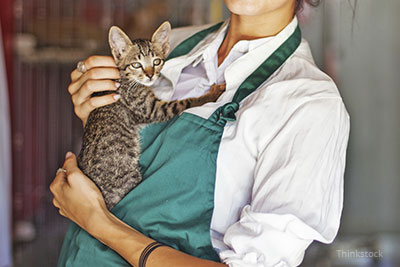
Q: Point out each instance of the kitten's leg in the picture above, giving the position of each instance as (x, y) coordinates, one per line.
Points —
(165, 110)
(212, 95)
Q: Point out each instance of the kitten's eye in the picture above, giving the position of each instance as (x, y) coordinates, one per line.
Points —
(136, 65)
(156, 62)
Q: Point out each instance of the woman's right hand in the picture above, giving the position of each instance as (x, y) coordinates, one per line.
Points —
(99, 76)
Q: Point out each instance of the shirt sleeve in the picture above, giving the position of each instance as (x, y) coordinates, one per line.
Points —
(297, 195)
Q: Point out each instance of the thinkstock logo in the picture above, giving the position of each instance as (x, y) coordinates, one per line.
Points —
(359, 254)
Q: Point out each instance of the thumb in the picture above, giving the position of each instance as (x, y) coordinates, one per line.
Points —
(70, 163)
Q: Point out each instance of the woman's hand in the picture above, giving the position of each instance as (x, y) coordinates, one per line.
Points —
(78, 199)
(101, 71)
(76, 196)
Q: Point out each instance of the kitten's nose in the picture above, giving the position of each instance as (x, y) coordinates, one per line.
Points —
(149, 73)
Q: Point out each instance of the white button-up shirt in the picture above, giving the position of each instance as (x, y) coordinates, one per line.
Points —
(280, 165)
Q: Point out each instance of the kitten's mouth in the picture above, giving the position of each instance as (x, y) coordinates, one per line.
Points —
(149, 82)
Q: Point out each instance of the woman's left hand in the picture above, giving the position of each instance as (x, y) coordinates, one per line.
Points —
(78, 199)
(75, 195)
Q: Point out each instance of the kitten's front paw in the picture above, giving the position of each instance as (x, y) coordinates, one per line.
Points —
(216, 90)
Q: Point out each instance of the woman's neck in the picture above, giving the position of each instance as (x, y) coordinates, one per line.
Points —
(254, 27)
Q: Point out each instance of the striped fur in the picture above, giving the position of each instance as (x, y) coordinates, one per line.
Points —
(111, 142)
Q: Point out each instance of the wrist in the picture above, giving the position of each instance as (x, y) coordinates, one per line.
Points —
(131, 244)
(117, 235)
(99, 221)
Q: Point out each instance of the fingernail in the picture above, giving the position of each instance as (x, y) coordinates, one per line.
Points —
(117, 84)
(116, 97)
(68, 155)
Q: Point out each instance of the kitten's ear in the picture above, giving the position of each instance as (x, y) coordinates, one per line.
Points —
(119, 43)
(161, 36)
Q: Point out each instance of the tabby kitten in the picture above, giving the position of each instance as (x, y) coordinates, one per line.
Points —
(111, 142)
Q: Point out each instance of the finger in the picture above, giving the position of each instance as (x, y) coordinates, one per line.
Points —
(58, 182)
(103, 73)
(92, 86)
(55, 203)
(75, 75)
(71, 164)
(95, 102)
(92, 62)
(61, 213)
(99, 61)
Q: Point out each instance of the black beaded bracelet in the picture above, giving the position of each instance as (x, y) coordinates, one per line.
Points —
(146, 252)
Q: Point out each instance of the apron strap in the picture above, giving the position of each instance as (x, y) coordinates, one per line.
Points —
(261, 74)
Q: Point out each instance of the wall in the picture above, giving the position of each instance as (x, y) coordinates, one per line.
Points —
(364, 55)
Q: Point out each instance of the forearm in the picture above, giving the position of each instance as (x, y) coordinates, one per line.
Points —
(130, 243)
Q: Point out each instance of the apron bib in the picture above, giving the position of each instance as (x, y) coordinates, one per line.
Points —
(174, 202)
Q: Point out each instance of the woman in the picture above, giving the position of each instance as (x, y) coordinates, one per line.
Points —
(280, 148)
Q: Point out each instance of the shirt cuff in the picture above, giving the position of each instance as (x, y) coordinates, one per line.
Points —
(267, 239)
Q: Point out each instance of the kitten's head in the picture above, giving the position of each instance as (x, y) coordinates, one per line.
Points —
(140, 60)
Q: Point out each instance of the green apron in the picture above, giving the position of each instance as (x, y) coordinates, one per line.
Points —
(174, 202)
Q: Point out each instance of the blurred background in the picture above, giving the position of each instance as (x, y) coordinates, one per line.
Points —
(356, 43)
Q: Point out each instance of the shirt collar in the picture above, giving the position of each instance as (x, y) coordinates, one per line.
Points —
(173, 67)
(242, 46)
(235, 73)
(263, 46)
